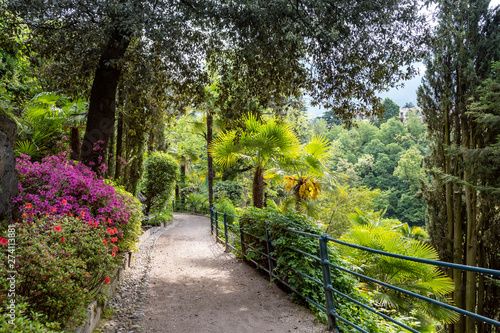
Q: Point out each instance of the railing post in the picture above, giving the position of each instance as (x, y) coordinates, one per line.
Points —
(242, 243)
(225, 231)
(201, 210)
(173, 205)
(216, 220)
(327, 283)
(192, 207)
(269, 250)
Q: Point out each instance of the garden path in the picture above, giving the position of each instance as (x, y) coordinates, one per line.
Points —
(194, 286)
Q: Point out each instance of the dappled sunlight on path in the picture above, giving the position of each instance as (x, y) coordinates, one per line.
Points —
(195, 286)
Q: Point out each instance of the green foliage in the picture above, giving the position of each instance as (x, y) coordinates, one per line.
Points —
(161, 172)
(391, 110)
(230, 190)
(25, 321)
(224, 205)
(131, 230)
(337, 207)
(58, 273)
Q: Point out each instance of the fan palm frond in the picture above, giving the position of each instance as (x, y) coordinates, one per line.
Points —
(319, 148)
(223, 149)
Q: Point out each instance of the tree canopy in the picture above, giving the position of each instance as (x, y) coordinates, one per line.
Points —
(340, 52)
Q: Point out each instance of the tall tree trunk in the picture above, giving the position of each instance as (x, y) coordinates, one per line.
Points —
(110, 173)
(119, 147)
(210, 165)
(258, 187)
(75, 143)
(458, 243)
(101, 115)
(472, 236)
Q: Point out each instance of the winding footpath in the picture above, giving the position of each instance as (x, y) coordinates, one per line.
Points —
(182, 281)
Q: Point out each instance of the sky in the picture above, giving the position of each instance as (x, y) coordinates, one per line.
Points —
(400, 96)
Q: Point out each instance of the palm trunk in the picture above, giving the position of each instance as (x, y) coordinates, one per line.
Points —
(258, 187)
(210, 165)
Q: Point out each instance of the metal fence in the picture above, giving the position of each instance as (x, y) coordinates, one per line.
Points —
(233, 237)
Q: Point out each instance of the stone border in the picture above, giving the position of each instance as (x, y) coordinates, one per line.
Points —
(96, 308)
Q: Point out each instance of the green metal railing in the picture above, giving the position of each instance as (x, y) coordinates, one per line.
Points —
(233, 237)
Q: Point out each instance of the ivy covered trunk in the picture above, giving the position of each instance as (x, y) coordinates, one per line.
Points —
(258, 187)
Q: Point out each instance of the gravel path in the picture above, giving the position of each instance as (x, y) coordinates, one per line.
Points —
(194, 286)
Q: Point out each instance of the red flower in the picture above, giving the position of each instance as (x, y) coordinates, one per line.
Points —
(114, 240)
(115, 231)
(57, 228)
(63, 239)
(70, 214)
(107, 280)
(24, 215)
(4, 241)
(53, 209)
(113, 254)
(82, 213)
(28, 205)
(110, 231)
(105, 241)
(64, 202)
(115, 249)
(109, 221)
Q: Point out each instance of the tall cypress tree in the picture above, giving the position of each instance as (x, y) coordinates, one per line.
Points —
(466, 41)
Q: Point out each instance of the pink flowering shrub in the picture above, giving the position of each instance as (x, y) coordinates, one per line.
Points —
(56, 187)
(60, 265)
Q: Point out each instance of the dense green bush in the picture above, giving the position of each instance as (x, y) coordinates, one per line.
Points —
(25, 321)
(228, 189)
(224, 205)
(132, 230)
(60, 265)
(161, 172)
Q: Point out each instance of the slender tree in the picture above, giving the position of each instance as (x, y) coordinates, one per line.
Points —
(466, 42)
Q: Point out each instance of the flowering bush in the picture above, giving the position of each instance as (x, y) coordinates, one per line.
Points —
(60, 263)
(56, 187)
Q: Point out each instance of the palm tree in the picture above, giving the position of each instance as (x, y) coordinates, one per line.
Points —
(262, 144)
(185, 155)
(308, 165)
(416, 277)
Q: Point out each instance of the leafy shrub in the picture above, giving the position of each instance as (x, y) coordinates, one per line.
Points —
(57, 187)
(132, 230)
(254, 220)
(60, 263)
(25, 322)
(224, 205)
(231, 190)
(161, 172)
